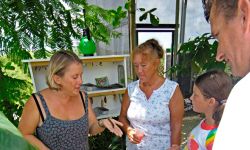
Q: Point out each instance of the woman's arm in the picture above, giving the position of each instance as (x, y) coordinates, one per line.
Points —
(123, 118)
(29, 121)
(123, 114)
(96, 127)
(176, 107)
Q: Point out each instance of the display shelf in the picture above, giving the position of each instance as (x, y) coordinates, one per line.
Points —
(112, 67)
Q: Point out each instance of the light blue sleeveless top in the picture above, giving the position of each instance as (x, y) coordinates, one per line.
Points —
(151, 115)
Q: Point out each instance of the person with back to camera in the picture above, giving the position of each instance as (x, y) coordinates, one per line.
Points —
(61, 116)
(230, 24)
(210, 92)
(152, 105)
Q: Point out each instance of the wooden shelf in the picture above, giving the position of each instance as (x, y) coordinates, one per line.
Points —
(106, 92)
(85, 59)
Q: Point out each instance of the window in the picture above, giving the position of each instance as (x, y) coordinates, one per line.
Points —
(164, 34)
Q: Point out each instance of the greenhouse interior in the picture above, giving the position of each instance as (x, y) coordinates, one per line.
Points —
(118, 74)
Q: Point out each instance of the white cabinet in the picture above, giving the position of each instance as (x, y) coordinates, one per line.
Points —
(111, 67)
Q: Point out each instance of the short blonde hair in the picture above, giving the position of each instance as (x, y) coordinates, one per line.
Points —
(58, 65)
(150, 47)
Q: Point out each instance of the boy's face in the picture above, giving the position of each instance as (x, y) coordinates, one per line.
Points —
(200, 103)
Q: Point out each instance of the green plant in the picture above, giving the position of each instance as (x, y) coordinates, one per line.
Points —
(105, 141)
(15, 89)
(198, 55)
(154, 20)
(42, 26)
(10, 137)
(195, 57)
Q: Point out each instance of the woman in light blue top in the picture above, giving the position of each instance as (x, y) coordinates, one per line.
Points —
(152, 104)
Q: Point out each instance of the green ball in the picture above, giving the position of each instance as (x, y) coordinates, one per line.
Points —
(87, 47)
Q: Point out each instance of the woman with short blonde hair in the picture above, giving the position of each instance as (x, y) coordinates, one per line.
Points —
(60, 116)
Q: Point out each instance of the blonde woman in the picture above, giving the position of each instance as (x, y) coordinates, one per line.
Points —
(152, 105)
(60, 116)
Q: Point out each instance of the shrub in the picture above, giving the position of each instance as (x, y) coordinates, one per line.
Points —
(15, 89)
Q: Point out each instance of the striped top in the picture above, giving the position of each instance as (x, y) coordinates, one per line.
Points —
(201, 137)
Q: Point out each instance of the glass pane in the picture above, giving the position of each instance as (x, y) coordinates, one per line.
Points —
(164, 38)
(165, 10)
(196, 23)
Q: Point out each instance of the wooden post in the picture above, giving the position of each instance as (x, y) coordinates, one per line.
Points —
(176, 36)
(132, 35)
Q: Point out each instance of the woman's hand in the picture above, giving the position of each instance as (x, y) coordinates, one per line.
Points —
(134, 135)
(112, 125)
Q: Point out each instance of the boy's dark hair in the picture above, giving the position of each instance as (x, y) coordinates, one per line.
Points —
(215, 84)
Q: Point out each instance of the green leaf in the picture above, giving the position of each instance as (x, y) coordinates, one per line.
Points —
(127, 5)
(143, 17)
(154, 20)
(119, 9)
(142, 9)
(152, 10)
(9, 66)
(10, 137)
(7, 125)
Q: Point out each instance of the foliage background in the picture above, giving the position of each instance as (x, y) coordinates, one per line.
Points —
(15, 89)
(196, 57)
(45, 25)
(38, 28)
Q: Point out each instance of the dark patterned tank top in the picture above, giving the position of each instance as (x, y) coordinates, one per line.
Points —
(59, 134)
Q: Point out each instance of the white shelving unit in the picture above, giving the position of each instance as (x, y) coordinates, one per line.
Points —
(93, 67)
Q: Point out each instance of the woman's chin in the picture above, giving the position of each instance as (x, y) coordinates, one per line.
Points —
(143, 80)
(76, 92)
(195, 110)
